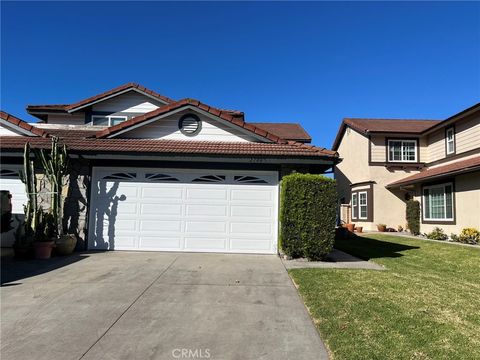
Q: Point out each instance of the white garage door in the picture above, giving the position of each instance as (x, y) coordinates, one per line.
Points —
(10, 180)
(184, 210)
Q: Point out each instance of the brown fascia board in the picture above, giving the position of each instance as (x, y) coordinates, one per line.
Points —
(452, 119)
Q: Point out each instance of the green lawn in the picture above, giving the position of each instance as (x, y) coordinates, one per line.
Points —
(426, 305)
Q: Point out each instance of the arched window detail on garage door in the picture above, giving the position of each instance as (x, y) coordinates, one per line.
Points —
(160, 177)
(249, 180)
(210, 179)
(12, 174)
(121, 176)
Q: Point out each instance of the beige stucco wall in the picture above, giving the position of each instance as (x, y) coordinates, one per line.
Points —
(389, 207)
(467, 204)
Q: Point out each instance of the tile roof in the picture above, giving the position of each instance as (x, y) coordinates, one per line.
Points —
(72, 107)
(223, 114)
(22, 124)
(363, 125)
(289, 131)
(456, 167)
(172, 147)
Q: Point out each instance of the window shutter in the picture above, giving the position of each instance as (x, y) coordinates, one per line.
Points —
(448, 202)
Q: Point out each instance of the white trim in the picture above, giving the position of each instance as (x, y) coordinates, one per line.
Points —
(17, 128)
(115, 95)
(109, 117)
(444, 185)
(360, 205)
(415, 141)
(193, 108)
(452, 141)
(355, 206)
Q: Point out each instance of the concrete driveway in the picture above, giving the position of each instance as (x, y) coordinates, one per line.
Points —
(131, 305)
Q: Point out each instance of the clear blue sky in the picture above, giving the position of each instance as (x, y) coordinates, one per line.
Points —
(312, 63)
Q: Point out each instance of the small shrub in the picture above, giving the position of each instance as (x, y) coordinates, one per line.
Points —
(413, 216)
(400, 228)
(307, 214)
(469, 236)
(437, 234)
(454, 237)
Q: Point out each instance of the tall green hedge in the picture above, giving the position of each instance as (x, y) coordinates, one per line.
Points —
(307, 215)
(413, 216)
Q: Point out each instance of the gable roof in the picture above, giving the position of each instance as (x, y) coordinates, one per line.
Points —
(21, 125)
(33, 109)
(222, 114)
(288, 131)
(366, 126)
(457, 167)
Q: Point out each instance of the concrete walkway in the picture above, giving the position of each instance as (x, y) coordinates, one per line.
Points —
(336, 260)
(127, 305)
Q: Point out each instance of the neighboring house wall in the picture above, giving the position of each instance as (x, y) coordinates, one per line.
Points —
(131, 102)
(67, 119)
(467, 138)
(466, 204)
(167, 128)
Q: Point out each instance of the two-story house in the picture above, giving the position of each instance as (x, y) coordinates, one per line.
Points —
(389, 161)
(151, 173)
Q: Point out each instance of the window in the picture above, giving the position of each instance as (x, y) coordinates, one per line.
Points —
(450, 141)
(100, 120)
(354, 206)
(402, 150)
(362, 196)
(438, 202)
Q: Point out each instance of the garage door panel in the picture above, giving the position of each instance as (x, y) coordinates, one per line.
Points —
(162, 192)
(168, 242)
(154, 209)
(251, 195)
(251, 244)
(206, 244)
(160, 225)
(227, 213)
(250, 228)
(207, 194)
(251, 211)
(112, 189)
(206, 210)
(205, 227)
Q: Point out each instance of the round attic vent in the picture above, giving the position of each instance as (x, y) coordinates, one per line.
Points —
(190, 124)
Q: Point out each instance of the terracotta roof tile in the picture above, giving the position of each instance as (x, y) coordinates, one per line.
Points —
(172, 147)
(439, 171)
(290, 131)
(22, 124)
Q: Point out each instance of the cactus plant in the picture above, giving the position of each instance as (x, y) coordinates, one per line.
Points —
(28, 178)
(55, 166)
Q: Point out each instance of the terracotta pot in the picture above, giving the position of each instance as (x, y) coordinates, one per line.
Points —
(359, 229)
(66, 244)
(350, 227)
(43, 249)
(381, 228)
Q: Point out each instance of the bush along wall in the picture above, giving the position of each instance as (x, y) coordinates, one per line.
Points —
(307, 214)
(413, 216)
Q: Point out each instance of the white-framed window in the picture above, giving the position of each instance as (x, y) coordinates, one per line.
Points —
(354, 205)
(110, 120)
(402, 150)
(362, 205)
(438, 202)
(450, 140)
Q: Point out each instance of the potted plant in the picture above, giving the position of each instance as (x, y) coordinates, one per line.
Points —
(382, 227)
(23, 245)
(44, 235)
(350, 227)
(55, 165)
